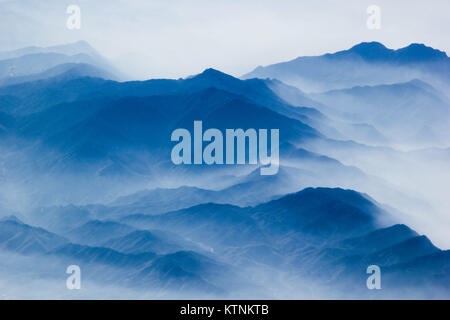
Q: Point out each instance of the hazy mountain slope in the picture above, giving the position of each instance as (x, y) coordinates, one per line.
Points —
(38, 96)
(321, 212)
(379, 239)
(95, 232)
(22, 238)
(37, 63)
(181, 270)
(208, 224)
(160, 200)
(66, 70)
(370, 63)
(102, 126)
(71, 51)
(66, 49)
(422, 109)
(140, 241)
(431, 271)
(338, 123)
(60, 219)
(323, 236)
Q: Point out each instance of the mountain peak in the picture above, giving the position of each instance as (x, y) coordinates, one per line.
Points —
(370, 51)
(420, 52)
(11, 218)
(366, 46)
(211, 73)
(82, 43)
(378, 52)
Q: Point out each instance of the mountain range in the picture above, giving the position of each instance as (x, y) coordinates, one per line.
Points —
(86, 176)
(328, 235)
(367, 63)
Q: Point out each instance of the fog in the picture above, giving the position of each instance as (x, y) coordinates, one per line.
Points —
(86, 175)
(157, 39)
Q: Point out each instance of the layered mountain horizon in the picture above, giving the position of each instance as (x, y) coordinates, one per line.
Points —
(87, 178)
(371, 63)
(198, 247)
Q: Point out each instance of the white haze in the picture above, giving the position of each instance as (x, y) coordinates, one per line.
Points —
(151, 39)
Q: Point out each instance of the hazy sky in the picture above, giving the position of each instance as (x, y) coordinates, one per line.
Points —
(160, 38)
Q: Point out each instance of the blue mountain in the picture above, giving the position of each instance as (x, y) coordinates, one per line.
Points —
(208, 224)
(404, 251)
(180, 271)
(418, 104)
(92, 129)
(79, 47)
(37, 63)
(379, 239)
(377, 52)
(64, 72)
(62, 88)
(110, 129)
(184, 270)
(31, 63)
(113, 137)
(374, 63)
(430, 271)
(6, 123)
(140, 241)
(321, 212)
(321, 234)
(157, 201)
(96, 232)
(21, 238)
(103, 256)
(325, 234)
(60, 219)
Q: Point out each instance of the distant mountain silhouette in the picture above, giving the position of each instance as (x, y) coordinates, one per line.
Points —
(70, 133)
(331, 213)
(379, 239)
(67, 71)
(312, 228)
(120, 129)
(319, 234)
(142, 241)
(415, 102)
(377, 52)
(66, 49)
(147, 122)
(32, 63)
(22, 238)
(373, 64)
(59, 89)
(95, 232)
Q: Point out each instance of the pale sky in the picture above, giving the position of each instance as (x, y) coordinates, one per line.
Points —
(176, 38)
